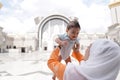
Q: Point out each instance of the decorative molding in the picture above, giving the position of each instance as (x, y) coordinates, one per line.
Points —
(114, 4)
(1, 5)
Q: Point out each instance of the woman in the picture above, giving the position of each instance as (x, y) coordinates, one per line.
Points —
(102, 62)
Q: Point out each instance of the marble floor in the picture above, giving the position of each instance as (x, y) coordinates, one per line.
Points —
(25, 66)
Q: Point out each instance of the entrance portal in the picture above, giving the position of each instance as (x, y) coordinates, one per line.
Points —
(49, 28)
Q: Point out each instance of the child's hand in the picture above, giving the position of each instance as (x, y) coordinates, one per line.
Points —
(76, 47)
(65, 42)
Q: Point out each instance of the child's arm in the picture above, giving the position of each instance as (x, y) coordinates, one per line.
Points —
(57, 40)
(61, 42)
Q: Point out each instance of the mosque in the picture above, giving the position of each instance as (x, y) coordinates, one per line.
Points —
(42, 39)
(114, 30)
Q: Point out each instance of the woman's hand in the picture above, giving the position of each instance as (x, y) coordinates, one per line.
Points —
(87, 52)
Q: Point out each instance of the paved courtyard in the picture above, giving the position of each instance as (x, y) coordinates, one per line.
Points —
(25, 66)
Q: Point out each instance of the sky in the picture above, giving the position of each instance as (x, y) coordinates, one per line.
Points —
(17, 16)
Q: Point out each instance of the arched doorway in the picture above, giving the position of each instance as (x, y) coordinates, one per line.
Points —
(48, 28)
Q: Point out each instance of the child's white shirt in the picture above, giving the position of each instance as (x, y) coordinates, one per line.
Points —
(65, 50)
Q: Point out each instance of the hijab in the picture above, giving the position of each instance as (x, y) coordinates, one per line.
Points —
(103, 63)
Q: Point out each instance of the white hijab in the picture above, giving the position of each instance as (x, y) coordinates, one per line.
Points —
(103, 63)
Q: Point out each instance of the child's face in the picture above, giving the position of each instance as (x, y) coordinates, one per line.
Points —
(73, 33)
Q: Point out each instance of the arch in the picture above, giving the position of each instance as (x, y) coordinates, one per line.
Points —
(44, 21)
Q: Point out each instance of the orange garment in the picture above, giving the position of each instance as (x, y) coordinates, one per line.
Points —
(78, 56)
(57, 67)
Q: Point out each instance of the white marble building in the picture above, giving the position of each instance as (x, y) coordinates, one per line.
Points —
(86, 39)
(52, 25)
(43, 37)
(6, 42)
(18, 43)
(48, 28)
(2, 40)
(114, 30)
(24, 43)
